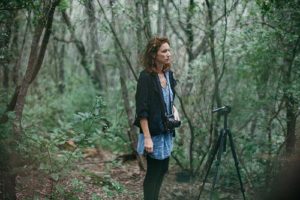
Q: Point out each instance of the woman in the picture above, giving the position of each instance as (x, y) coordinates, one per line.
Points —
(154, 101)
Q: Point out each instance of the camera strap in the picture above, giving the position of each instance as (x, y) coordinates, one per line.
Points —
(167, 76)
(163, 104)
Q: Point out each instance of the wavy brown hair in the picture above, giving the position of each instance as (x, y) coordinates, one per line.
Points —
(148, 58)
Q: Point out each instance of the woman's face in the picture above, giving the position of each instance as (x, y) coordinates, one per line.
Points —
(163, 56)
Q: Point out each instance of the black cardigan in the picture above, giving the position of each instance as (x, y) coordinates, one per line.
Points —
(149, 101)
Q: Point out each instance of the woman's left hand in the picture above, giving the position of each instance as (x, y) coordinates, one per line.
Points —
(176, 114)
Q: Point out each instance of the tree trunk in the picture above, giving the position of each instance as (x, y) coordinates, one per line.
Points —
(139, 27)
(99, 72)
(289, 99)
(6, 34)
(7, 178)
(130, 116)
(5, 77)
(147, 20)
(117, 40)
(9, 159)
(17, 66)
(61, 71)
(34, 64)
(159, 17)
(80, 47)
(58, 57)
(216, 93)
(290, 122)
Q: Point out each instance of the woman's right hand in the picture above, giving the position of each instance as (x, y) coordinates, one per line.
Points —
(148, 144)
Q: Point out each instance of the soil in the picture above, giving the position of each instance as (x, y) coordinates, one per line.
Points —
(101, 177)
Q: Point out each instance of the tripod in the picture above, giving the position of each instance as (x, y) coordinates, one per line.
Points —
(220, 148)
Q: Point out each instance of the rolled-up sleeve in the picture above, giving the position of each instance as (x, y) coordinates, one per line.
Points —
(142, 97)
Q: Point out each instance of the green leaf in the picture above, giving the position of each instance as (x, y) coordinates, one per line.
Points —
(55, 176)
(63, 5)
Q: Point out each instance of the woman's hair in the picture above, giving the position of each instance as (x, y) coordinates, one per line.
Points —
(150, 52)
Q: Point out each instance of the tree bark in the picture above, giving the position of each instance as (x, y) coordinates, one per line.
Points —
(17, 66)
(291, 118)
(291, 103)
(159, 17)
(147, 20)
(6, 34)
(7, 179)
(35, 62)
(61, 71)
(99, 72)
(139, 27)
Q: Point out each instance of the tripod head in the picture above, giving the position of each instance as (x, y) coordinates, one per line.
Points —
(222, 110)
(225, 110)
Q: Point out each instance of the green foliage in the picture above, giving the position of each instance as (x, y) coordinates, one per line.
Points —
(16, 4)
(63, 5)
(110, 186)
(51, 153)
(117, 133)
(62, 192)
(262, 38)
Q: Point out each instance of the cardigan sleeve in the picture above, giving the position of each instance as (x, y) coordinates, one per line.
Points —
(142, 96)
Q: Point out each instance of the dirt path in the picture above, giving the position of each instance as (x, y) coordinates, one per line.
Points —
(104, 177)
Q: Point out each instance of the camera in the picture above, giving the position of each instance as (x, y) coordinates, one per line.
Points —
(171, 123)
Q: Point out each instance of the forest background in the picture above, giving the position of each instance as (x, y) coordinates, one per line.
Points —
(68, 78)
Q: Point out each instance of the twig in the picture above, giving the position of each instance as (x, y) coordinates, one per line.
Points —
(117, 40)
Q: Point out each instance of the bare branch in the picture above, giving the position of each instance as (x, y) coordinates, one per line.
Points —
(173, 26)
(64, 40)
(117, 40)
(181, 24)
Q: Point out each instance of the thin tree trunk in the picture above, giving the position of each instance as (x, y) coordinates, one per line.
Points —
(216, 94)
(268, 171)
(5, 77)
(290, 122)
(34, 64)
(118, 41)
(147, 20)
(17, 66)
(60, 57)
(159, 17)
(130, 116)
(6, 34)
(61, 71)
(80, 47)
(7, 179)
(139, 27)
(289, 99)
(214, 65)
(100, 72)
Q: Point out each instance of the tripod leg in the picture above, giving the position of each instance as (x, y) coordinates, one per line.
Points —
(225, 141)
(236, 164)
(210, 163)
(216, 177)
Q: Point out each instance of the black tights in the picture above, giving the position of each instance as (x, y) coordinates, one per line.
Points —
(156, 169)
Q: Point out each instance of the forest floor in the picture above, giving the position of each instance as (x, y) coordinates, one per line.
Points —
(105, 177)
